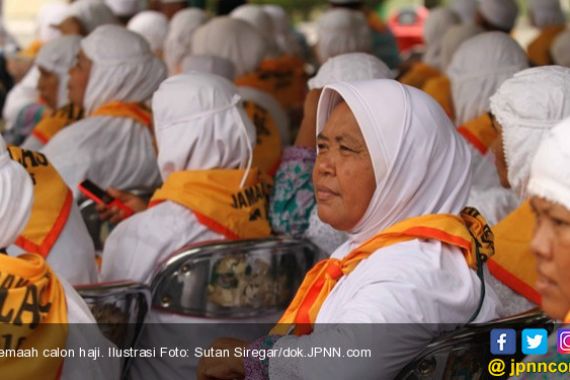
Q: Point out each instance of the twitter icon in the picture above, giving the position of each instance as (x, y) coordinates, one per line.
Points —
(534, 341)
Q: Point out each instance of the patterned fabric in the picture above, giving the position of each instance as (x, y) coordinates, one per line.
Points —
(256, 369)
(27, 120)
(293, 195)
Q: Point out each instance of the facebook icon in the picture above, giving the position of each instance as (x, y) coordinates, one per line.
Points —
(503, 341)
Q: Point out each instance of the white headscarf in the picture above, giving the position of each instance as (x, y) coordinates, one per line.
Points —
(16, 197)
(421, 164)
(91, 14)
(256, 16)
(286, 41)
(178, 42)
(58, 56)
(350, 67)
(438, 22)
(560, 49)
(453, 38)
(550, 171)
(209, 64)
(124, 68)
(341, 31)
(124, 8)
(466, 9)
(546, 13)
(200, 124)
(500, 13)
(48, 16)
(477, 70)
(153, 26)
(232, 39)
(527, 106)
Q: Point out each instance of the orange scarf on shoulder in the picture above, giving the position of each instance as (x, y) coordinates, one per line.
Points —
(51, 124)
(51, 206)
(136, 111)
(469, 232)
(33, 316)
(479, 132)
(419, 74)
(218, 202)
(440, 89)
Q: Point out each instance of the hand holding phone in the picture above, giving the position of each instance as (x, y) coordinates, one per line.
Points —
(102, 198)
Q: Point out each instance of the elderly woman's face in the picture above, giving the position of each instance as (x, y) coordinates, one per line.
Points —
(78, 79)
(343, 175)
(48, 86)
(551, 247)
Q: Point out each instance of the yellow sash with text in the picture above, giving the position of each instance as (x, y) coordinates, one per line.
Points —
(479, 132)
(51, 206)
(218, 202)
(33, 315)
(514, 264)
(469, 232)
(50, 125)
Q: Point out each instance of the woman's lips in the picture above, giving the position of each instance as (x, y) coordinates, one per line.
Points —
(324, 193)
(544, 283)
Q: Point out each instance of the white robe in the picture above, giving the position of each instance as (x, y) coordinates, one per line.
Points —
(110, 151)
(417, 283)
(73, 255)
(86, 337)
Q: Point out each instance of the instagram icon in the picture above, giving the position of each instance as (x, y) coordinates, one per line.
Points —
(564, 341)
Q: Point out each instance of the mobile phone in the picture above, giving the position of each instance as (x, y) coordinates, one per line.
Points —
(101, 197)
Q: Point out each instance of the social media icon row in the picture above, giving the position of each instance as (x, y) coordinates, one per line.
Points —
(533, 341)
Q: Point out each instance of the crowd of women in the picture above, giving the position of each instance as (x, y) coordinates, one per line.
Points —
(437, 187)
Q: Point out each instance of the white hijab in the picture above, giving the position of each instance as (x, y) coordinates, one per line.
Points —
(91, 14)
(286, 41)
(453, 38)
(200, 124)
(153, 26)
(438, 22)
(350, 67)
(560, 49)
(478, 68)
(209, 64)
(48, 16)
(16, 197)
(546, 13)
(341, 31)
(232, 39)
(256, 16)
(124, 8)
(58, 56)
(550, 172)
(421, 164)
(500, 13)
(124, 68)
(466, 9)
(178, 42)
(527, 106)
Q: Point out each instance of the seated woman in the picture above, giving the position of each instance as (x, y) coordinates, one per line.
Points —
(85, 16)
(548, 16)
(291, 208)
(116, 72)
(240, 43)
(30, 290)
(439, 21)
(153, 26)
(392, 172)
(525, 107)
(205, 142)
(54, 61)
(549, 191)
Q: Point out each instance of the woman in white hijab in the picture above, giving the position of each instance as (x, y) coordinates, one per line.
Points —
(153, 26)
(437, 23)
(256, 16)
(240, 43)
(54, 61)
(65, 305)
(84, 16)
(209, 64)
(115, 74)
(178, 42)
(466, 9)
(389, 171)
(284, 35)
(525, 107)
(546, 15)
(477, 70)
(341, 31)
(497, 15)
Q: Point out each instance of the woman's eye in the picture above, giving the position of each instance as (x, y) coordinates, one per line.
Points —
(321, 146)
(559, 222)
(346, 149)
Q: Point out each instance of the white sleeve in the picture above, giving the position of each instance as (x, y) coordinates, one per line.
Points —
(32, 143)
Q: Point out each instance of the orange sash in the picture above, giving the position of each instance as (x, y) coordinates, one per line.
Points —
(479, 132)
(32, 50)
(539, 49)
(33, 316)
(419, 74)
(268, 149)
(440, 89)
(514, 264)
(469, 232)
(52, 202)
(136, 111)
(50, 125)
(218, 202)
